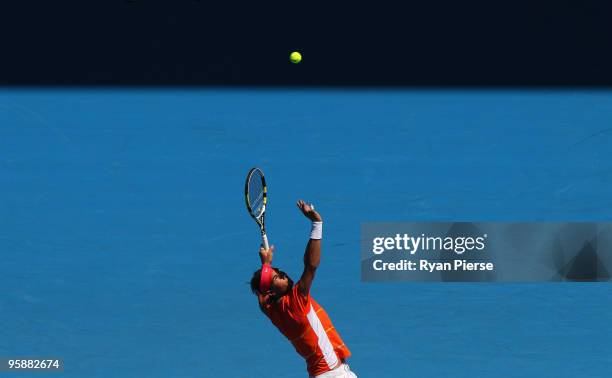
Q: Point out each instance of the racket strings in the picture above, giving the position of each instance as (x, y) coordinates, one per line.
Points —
(256, 194)
(257, 203)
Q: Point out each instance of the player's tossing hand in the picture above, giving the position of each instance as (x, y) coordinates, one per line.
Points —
(266, 254)
(309, 211)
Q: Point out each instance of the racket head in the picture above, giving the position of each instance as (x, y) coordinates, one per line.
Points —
(256, 194)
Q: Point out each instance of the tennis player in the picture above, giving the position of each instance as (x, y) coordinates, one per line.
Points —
(296, 314)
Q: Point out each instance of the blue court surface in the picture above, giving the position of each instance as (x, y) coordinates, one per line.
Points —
(126, 247)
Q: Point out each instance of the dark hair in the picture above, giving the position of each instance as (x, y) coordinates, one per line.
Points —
(257, 277)
(255, 281)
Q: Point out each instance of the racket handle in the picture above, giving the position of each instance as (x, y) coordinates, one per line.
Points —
(264, 238)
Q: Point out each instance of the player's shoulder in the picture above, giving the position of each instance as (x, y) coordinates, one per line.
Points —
(292, 302)
(299, 294)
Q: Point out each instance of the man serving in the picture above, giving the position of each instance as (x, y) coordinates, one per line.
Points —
(296, 314)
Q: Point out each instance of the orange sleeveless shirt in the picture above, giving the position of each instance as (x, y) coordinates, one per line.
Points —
(309, 329)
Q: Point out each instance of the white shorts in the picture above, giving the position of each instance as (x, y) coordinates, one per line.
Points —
(342, 371)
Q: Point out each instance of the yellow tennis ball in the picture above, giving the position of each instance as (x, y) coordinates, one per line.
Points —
(295, 57)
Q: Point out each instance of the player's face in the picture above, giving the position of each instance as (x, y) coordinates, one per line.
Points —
(280, 283)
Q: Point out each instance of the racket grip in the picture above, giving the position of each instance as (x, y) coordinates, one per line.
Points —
(264, 238)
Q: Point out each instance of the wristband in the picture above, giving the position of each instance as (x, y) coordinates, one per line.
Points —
(316, 232)
(266, 278)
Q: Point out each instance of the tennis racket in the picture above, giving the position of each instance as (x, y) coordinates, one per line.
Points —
(255, 193)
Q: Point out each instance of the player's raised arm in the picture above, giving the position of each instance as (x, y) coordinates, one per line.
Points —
(312, 255)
